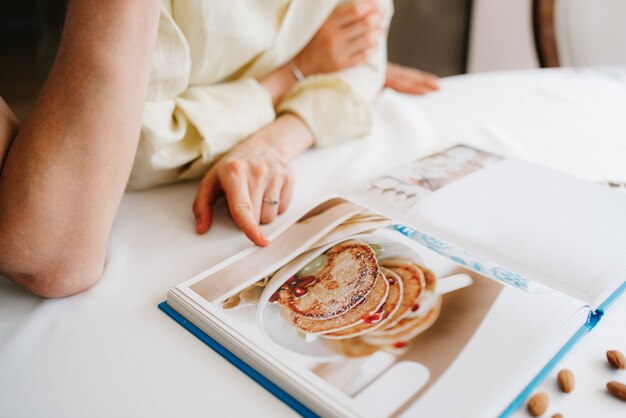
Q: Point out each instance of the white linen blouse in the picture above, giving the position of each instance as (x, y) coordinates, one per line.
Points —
(203, 96)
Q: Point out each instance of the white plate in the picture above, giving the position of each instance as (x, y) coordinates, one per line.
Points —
(275, 328)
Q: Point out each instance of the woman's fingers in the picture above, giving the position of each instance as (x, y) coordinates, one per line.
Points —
(370, 24)
(409, 80)
(271, 200)
(286, 193)
(360, 57)
(416, 76)
(205, 199)
(409, 87)
(362, 37)
(278, 195)
(366, 43)
(257, 183)
(351, 29)
(353, 12)
(235, 185)
(431, 80)
(256, 193)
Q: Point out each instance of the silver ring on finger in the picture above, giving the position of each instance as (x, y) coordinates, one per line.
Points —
(272, 202)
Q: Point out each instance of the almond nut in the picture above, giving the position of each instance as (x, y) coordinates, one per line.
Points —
(617, 389)
(616, 359)
(557, 416)
(566, 380)
(538, 404)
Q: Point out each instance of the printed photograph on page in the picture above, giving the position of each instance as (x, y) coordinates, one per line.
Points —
(403, 187)
(359, 301)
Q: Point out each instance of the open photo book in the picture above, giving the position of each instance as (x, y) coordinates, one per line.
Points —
(450, 286)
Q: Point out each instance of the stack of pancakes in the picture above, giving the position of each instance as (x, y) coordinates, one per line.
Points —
(360, 304)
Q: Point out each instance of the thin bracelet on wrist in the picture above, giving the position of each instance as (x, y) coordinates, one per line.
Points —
(295, 71)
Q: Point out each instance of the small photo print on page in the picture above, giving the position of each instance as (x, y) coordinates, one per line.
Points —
(403, 187)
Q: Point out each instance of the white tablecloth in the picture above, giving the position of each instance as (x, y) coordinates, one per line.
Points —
(110, 352)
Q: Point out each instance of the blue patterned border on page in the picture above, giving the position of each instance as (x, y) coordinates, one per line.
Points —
(472, 261)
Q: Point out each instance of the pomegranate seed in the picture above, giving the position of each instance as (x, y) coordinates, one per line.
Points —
(400, 344)
(274, 298)
(298, 291)
(415, 307)
(372, 318)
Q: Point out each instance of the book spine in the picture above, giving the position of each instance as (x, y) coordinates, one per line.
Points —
(612, 298)
(545, 371)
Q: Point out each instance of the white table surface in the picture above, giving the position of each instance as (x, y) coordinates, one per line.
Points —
(110, 352)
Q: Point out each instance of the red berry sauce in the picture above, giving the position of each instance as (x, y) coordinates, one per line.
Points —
(375, 317)
(297, 285)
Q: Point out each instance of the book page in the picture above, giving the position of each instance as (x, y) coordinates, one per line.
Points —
(552, 228)
(362, 316)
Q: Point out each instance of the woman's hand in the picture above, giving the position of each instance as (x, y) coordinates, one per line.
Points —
(255, 177)
(410, 80)
(257, 183)
(347, 38)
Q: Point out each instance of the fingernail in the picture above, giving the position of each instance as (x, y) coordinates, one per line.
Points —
(200, 225)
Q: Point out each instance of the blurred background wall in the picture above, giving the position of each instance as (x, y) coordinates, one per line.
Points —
(443, 36)
(446, 37)
(455, 36)
(431, 35)
(501, 36)
(29, 34)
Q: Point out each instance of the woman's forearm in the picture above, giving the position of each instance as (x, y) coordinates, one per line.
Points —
(66, 171)
(288, 135)
(278, 83)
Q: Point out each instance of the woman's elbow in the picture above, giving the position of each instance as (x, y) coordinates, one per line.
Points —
(57, 280)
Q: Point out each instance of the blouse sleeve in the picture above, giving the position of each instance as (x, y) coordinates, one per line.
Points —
(185, 127)
(180, 137)
(338, 106)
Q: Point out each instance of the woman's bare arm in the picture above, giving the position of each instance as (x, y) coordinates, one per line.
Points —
(66, 170)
